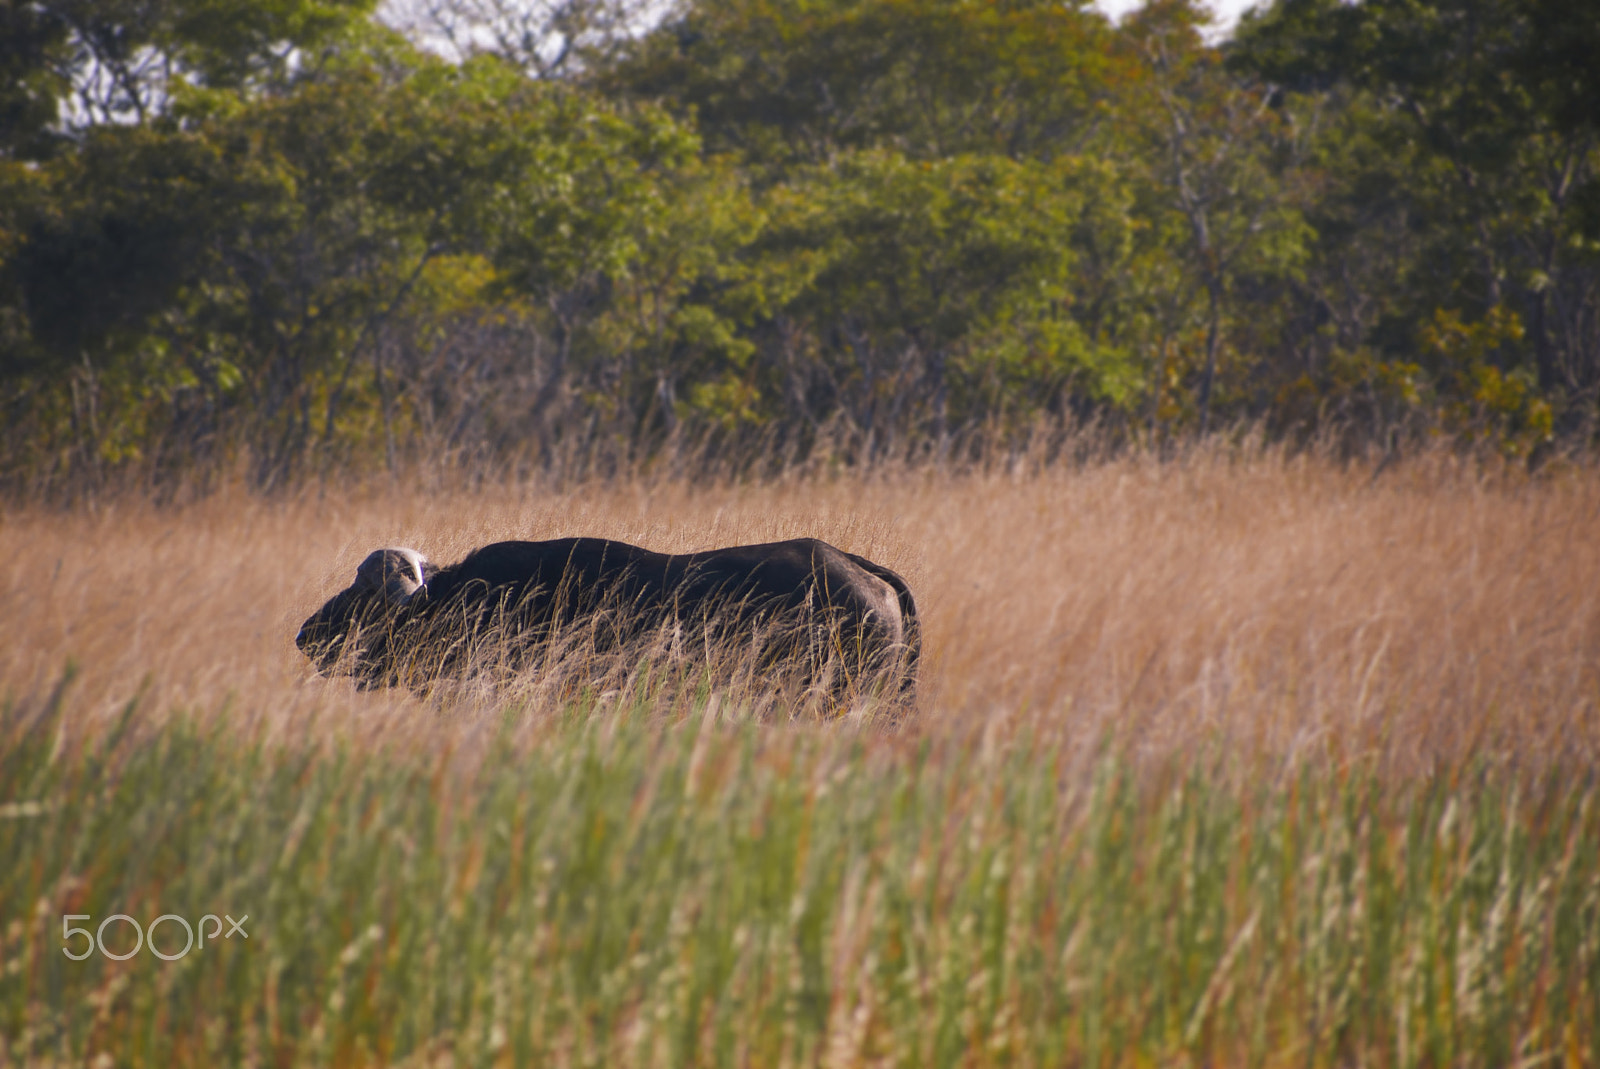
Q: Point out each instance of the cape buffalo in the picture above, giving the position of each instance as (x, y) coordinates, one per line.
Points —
(406, 620)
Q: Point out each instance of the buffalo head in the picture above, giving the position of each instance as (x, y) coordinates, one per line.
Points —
(385, 584)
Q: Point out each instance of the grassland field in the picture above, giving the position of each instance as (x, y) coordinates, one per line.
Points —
(1240, 758)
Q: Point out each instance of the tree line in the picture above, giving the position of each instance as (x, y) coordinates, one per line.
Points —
(303, 234)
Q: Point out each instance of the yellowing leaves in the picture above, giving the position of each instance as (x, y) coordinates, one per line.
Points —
(1498, 406)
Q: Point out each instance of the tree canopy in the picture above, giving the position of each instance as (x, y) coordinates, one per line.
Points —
(314, 232)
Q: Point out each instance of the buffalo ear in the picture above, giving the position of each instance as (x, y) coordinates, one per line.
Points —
(396, 573)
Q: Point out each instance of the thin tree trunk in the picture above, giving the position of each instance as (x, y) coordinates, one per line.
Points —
(1153, 418)
(1213, 343)
(374, 321)
(385, 404)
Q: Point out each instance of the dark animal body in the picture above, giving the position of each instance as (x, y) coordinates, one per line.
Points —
(405, 620)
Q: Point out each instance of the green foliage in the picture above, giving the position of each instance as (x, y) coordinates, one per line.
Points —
(120, 59)
(624, 893)
(251, 250)
(960, 268)
(1459, 161)
(30, 85)
(793, 81)
(1503, 408)
(279, 231)
(684, 301)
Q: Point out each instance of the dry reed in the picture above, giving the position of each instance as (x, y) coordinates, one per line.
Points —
(1257, 606)
(624, 880)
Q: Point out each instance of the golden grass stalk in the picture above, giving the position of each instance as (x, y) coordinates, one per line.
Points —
(1267, 608)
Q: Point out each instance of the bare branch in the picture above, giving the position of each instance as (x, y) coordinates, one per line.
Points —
(546, 38)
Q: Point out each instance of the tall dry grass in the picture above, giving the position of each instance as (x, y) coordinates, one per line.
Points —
(1183, 786)
(1254, 606)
